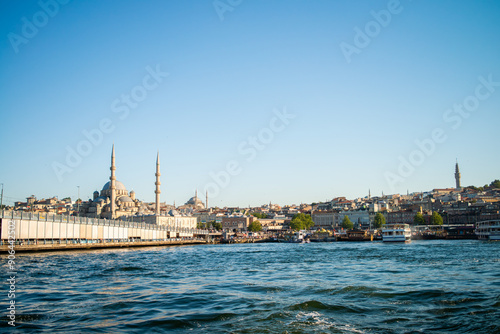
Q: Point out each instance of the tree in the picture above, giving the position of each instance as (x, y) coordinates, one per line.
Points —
(347, 223)
(217, 226)
(495, 184)
(436, 219)
(301, 222)
(418, 219)
(255, 226)
(379, 220)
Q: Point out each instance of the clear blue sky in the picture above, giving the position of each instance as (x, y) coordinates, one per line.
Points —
(359, 100)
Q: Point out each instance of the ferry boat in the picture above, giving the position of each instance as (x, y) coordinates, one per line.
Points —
(488, 230)
(396, 233)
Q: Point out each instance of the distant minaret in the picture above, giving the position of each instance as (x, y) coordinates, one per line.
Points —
(112, 187)
(457, 176)
(369, 194)
(206, 199)
(157, 183)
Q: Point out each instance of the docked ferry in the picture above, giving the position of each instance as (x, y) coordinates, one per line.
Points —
(396, 233)
(488, 230)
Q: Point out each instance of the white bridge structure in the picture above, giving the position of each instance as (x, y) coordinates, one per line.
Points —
(51, 228)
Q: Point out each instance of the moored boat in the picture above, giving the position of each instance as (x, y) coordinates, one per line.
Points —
(488, 230)
(396, 233)
(356, 235)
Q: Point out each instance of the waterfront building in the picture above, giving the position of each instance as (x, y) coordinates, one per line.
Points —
(403, 217)
(206, 216)
(237, 223)
(360, 218)
(272, 224)
(323, 219)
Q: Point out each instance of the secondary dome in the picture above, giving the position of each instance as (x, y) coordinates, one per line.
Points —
(125, 199)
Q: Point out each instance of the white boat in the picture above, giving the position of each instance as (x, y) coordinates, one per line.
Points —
(300, 237)
(396, 233)
(488, 230)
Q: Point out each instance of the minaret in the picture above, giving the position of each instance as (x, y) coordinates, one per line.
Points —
(457, 176)
(206, 199)
(157, 183)
(112, 186)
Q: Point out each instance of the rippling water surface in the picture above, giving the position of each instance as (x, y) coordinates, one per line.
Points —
(372, 287)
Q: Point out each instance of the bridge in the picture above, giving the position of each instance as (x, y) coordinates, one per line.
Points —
(30, 229)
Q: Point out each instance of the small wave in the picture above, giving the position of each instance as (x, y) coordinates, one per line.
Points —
(316, 305)
(396, 320)
(309, 305)
(131, 268)
(30, 317)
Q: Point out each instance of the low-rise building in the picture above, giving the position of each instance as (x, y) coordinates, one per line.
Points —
(237, 223)
(323, 219)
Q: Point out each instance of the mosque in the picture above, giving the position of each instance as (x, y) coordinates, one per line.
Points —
(115, 202)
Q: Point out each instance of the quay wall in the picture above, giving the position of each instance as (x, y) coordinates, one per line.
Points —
(42, 246)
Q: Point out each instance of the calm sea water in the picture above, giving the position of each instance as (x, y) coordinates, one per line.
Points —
(423, 286)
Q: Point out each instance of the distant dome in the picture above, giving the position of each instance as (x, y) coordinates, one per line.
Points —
(118, 185)
(195, 201)
(100, 199)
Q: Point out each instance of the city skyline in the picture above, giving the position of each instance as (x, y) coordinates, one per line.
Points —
(289, 102)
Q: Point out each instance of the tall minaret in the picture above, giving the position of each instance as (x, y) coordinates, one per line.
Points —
(157, 183)
(112, 187)
(457, 176)
(206, 199)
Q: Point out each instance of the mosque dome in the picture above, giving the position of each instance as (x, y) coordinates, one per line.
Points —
(118, 184)
(195, 201)
(173, 213)
(125, 199)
